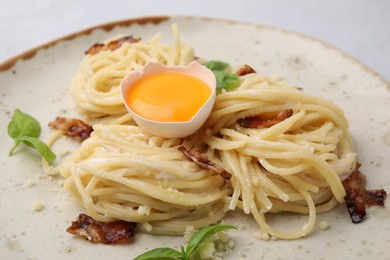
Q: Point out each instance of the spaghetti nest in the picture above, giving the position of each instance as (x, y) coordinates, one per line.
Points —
(122, 172)
(293, 165)
(95, 86)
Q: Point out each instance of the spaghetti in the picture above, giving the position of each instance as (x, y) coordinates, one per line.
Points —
(293, 163)
(95, 87)
(296, 165)
(122, 172)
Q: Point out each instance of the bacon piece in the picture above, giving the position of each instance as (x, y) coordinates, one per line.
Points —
(101, 232)
(112, 45)
(263, 122)
(74, 128)
(376, 197)
(357, 197)
(203, 162)
(245, 70)
(95, 49)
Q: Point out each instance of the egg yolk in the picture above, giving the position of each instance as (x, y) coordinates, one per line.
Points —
(168, 97)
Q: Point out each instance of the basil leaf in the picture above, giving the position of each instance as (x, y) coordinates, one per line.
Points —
(40, 146)
(188, 253)
(225, 80)
(216, 65)
(163, 253)
(16, 144)
(203, 235)
(25, 128)
(23, 125)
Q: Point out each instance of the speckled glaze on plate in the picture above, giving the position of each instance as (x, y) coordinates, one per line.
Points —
(37, 82)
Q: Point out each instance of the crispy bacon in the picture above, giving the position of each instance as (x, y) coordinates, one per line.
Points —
(95, 49)
(101, 232)
(112, 45)
(245, 70)
(203, 162)
(74, 128)
(357, 197)
(265, 122)
(376, 197)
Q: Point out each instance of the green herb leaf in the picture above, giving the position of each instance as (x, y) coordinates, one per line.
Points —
(216, 65)
(196, 241)
(23, 125)
(163, 253)
(40, 146)
(224, 79)
(24, 128)
(201, 236)
(16, 144)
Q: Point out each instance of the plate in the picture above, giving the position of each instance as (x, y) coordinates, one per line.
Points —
(38, 80)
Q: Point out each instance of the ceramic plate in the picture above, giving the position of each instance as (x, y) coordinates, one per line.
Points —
(37, 82)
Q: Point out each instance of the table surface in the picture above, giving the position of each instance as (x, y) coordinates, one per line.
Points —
(360, 28)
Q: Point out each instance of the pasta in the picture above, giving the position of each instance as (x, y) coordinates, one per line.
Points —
(296, 165)
(95, 87)
(122, 172)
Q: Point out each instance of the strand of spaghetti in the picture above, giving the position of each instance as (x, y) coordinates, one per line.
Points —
(79, 187)
(177, 44)
(228, 156)
(306, 228)
(289, 170)
(262, 192)
(50, 170)
(266, 144)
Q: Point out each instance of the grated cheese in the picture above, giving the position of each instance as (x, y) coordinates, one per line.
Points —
(217, 248)
(38, 205)
(323, 225)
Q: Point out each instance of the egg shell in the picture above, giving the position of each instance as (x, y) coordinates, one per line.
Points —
(172, 129)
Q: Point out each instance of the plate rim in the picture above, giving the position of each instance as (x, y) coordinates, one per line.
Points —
(30, 53)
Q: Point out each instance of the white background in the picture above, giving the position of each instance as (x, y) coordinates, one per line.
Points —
(360, 28)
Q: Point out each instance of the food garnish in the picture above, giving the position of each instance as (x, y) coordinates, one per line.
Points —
(24, 128)
(225, 80)
(194, 244)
